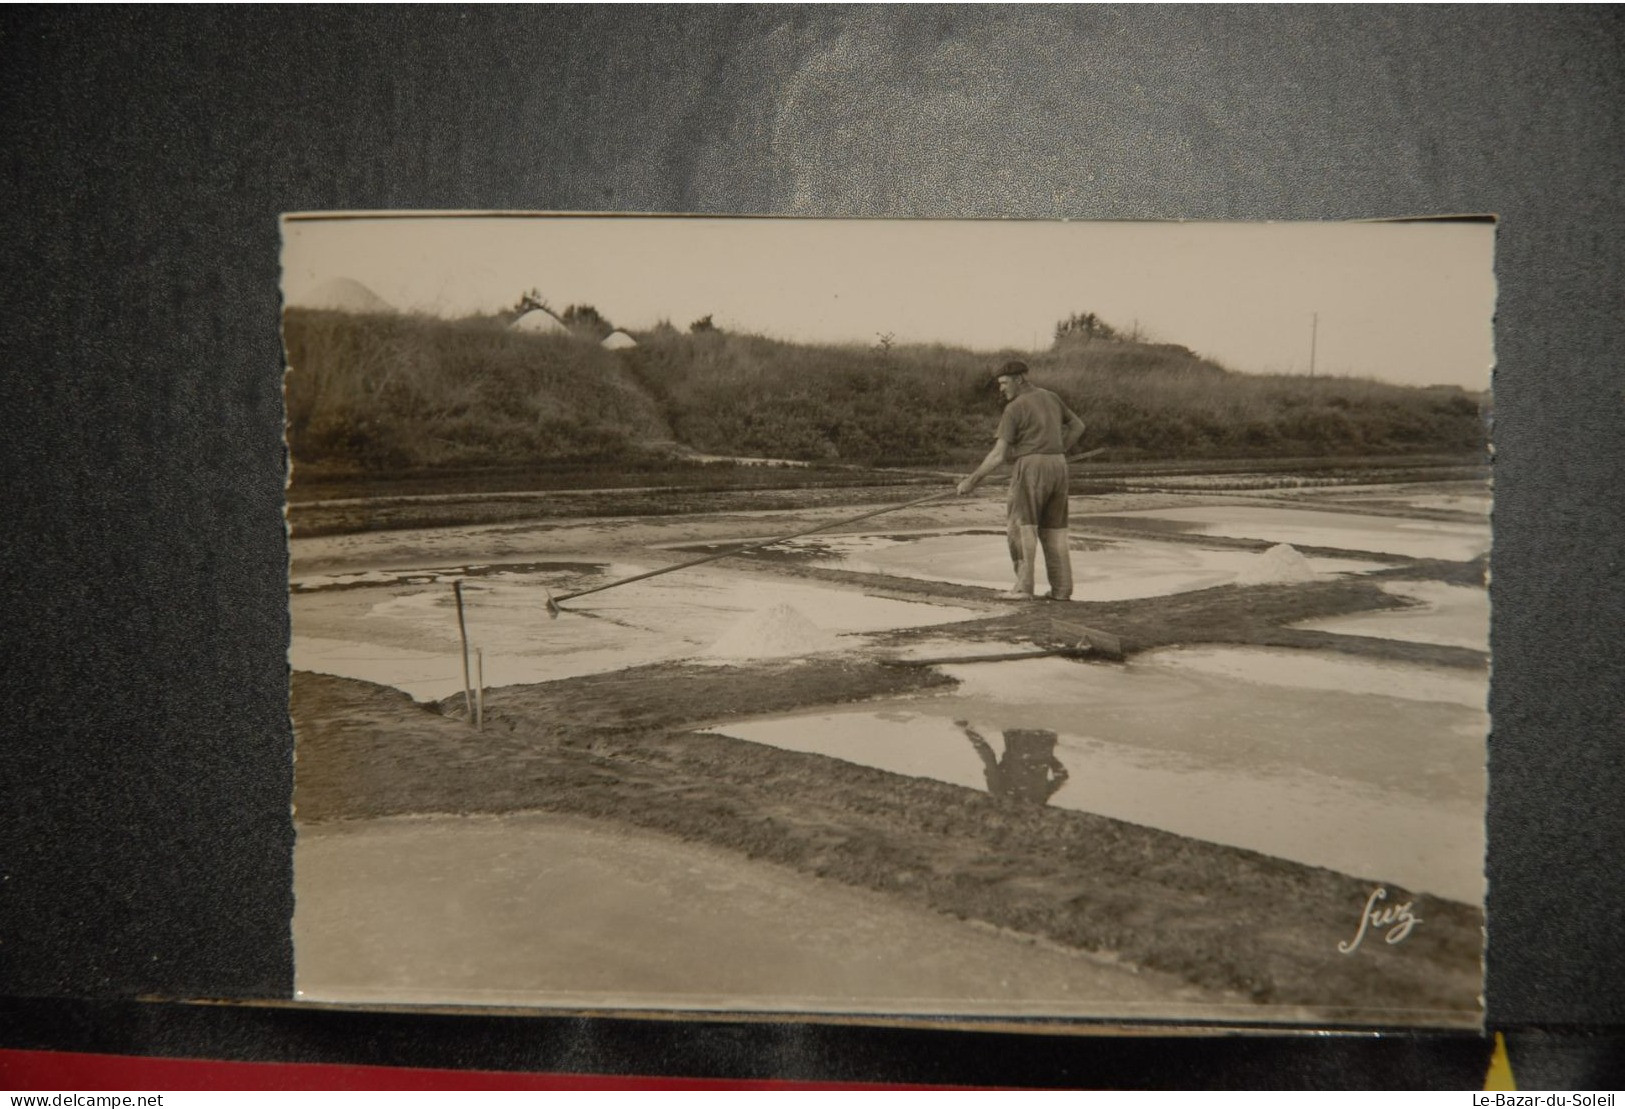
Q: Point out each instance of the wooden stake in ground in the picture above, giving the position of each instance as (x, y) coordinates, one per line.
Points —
(462, 633)
(479, 688)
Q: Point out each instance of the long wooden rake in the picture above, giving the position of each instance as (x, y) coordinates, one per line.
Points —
(553, 608)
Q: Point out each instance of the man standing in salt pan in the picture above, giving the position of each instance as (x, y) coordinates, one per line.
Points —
(1036, 433)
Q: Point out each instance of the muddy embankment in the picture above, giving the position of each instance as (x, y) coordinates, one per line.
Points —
(363, 503)
(623, 747)
(335, 516)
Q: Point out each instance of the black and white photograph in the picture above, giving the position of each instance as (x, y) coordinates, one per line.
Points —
(920, 620)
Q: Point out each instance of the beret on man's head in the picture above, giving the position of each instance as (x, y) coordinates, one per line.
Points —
(1012, 368)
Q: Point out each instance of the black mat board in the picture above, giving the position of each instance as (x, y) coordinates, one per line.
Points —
(756, 1050)
(145, 767)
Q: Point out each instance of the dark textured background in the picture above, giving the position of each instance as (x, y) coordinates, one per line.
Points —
(145, 768)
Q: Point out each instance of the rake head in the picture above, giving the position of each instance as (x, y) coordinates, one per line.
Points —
(553, 608)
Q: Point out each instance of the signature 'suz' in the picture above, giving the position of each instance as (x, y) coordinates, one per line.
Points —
(1398, 919)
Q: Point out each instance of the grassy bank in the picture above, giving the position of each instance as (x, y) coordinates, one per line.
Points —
(370, 394)
(932, 404)
(385, 392)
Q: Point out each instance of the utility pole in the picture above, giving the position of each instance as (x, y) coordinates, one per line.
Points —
(1314, 327)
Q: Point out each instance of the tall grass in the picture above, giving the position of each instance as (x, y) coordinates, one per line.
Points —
(922, 404)
(389, 392)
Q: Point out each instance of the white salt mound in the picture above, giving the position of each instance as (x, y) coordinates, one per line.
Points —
(1281, 563)
(774, 632)
(344, 294)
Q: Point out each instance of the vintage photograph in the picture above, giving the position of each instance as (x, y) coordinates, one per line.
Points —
(905, 619)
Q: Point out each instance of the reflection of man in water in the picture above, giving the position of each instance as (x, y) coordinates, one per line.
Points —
(1029, 771)
(1036, 433)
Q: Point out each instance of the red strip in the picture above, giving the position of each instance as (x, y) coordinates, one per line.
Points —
(63, 1071)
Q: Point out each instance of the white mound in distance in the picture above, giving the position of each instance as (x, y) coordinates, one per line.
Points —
(618, 340)
(344, 294)
(1280, 564)
(777, 632)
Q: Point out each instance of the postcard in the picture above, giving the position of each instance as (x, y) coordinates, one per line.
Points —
(890, 619)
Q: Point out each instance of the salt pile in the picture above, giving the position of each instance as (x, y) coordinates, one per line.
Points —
(775, 632)
(1281, 563)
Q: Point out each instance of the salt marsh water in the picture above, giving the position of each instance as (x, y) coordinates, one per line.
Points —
(1321, 760)
(1303, 527)
(406, 635)
(1102, 569)
(1450, 615)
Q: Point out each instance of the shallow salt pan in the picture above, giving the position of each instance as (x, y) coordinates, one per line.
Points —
(1345, 531)
(1377, 786)
(1479, 503)
(1104, 570)
(407, 638)
(534, 909)
(1351, 827)
(1366, 768)
(1448, 615)
(1294, 669)
(415, 671)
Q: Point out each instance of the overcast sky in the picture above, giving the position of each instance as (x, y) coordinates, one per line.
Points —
(1405, 302)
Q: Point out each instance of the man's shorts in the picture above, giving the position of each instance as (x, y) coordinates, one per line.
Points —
(1038, 491)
